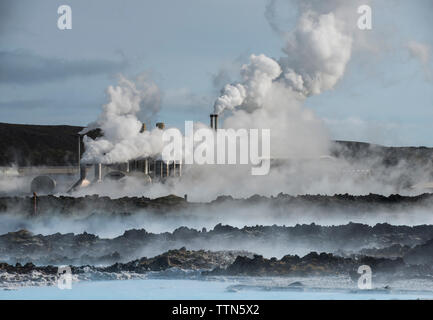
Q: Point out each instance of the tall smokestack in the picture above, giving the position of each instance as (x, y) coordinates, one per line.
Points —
(214, 121)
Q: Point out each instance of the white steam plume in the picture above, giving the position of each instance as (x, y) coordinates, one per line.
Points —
(130, 103)
(317, 53)
(270, 93)
(257, 79)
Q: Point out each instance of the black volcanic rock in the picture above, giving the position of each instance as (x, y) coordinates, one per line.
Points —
(323, 264)
(382, 240)
(394, 251)
(420, 254)
(231, 263)
(89, 205)
(182, 258)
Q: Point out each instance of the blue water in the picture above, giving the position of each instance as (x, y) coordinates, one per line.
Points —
(191, 289)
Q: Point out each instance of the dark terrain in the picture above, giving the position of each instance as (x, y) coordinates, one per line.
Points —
(393, 252)
(229, 263)
(414, 245)
(283, 203)
(38, 145)
(34, 145)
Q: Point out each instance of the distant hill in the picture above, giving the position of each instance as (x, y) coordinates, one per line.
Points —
(388, 156)
(35, 145)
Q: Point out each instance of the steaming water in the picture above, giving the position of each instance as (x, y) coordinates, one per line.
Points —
(198, 289)
(109, 226)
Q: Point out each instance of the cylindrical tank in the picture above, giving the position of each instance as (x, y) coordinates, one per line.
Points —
(115, 175)
(43, 185)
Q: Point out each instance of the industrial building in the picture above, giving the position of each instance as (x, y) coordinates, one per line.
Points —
(149, 169)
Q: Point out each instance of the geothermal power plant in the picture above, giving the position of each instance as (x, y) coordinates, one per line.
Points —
(149, 169)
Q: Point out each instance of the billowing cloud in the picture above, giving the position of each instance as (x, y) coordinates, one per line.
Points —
(130, 103)
(25, 67)
(26, 104)
(317, 53)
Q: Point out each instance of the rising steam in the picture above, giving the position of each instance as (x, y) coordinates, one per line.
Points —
(317, 53)
(270, 95)
(130, 103)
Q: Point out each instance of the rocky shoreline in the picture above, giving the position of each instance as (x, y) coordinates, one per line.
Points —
(413, 244)
(223, 263)
(301, 250)
(323, 264)
(63, 205)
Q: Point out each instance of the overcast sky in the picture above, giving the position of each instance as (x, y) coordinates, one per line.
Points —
(191, 48)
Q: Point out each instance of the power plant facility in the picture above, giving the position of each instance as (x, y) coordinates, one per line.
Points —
(148, 170)
(153, 169)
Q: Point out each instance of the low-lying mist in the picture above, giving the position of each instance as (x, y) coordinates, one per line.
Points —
(106, 224)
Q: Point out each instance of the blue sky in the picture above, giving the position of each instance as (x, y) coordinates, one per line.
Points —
(190, 48)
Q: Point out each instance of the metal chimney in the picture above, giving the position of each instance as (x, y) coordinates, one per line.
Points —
(146, 166)
(214, 121)
(79, 151)
(98, 172)
(82, 181)
(83, 172)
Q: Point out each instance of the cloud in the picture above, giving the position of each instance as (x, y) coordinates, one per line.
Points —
(24, 104)
(25, 67)
(357, 129)
(186, 99)
(6, 7)
(419, 51)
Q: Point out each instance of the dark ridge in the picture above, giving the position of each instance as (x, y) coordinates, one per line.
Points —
(387, 156)
(39, 145)
(228, 263)
(413, 244)
(164, 205)
(323, 264)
